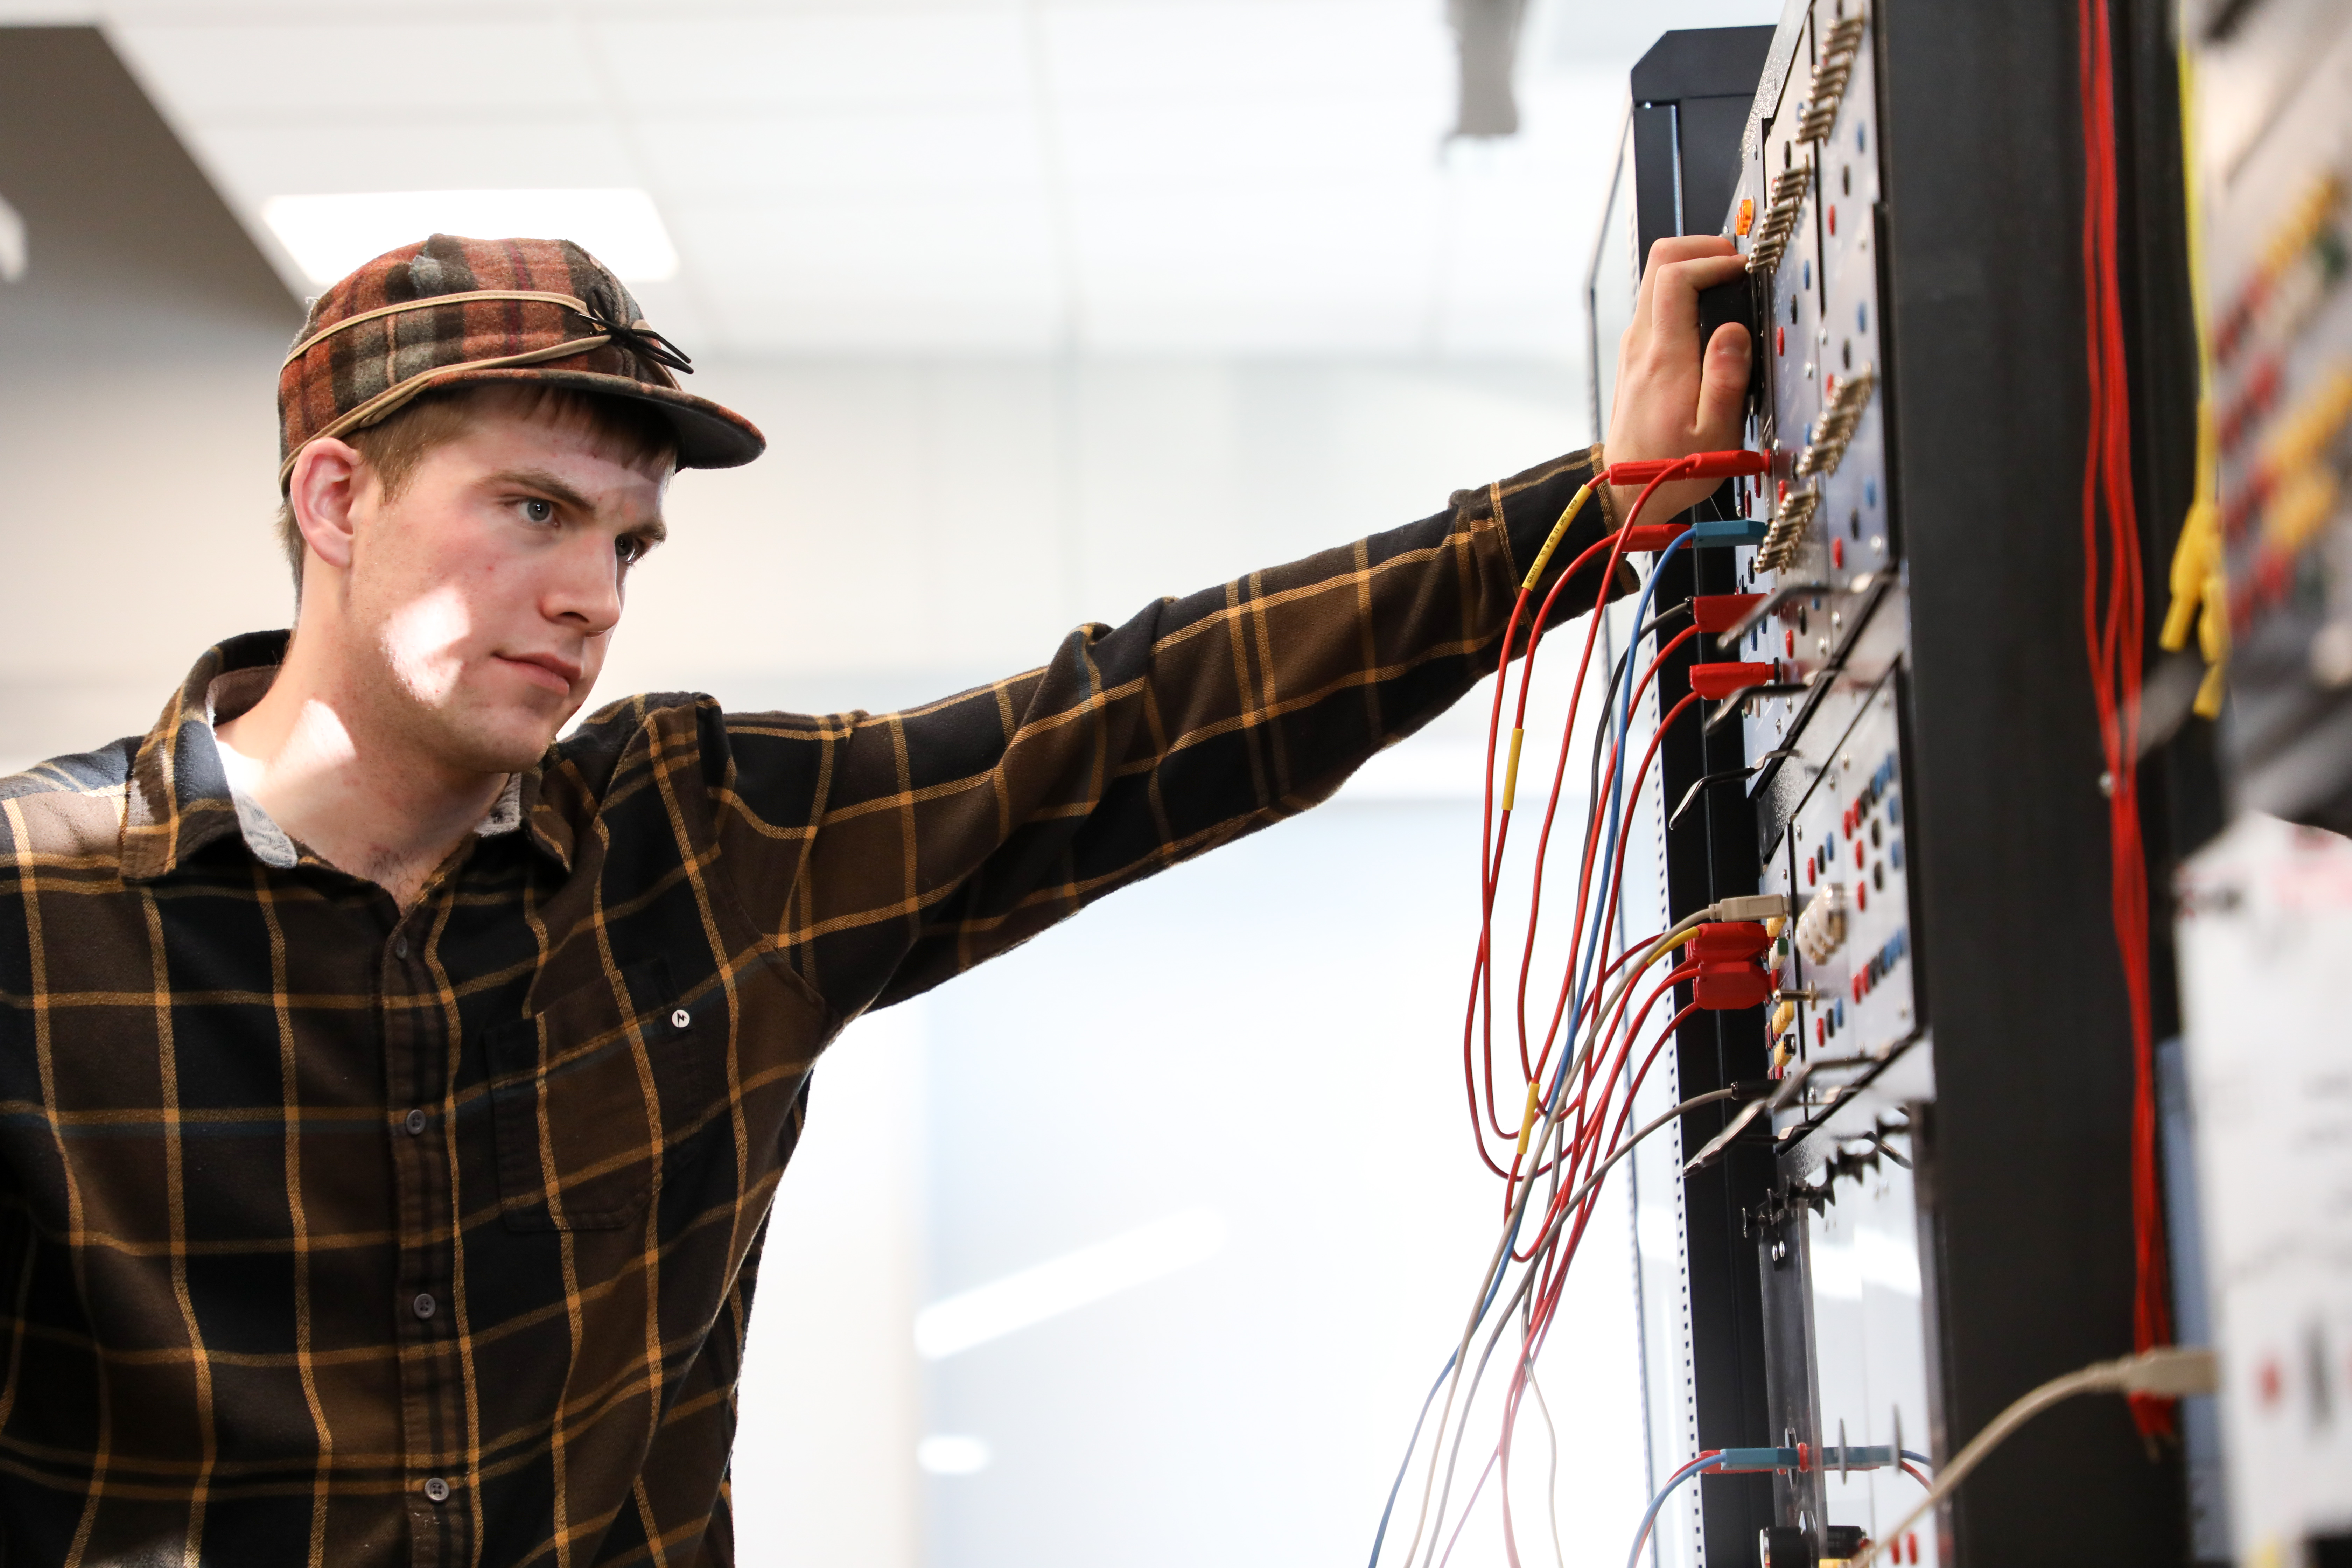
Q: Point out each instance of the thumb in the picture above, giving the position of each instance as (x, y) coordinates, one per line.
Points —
(1723, 389)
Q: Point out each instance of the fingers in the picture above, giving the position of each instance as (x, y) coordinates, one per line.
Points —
(1673, 318)
(1723, 389)
(1665, 255)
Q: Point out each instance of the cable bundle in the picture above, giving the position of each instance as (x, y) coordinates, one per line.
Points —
(2115, 634)
(1574, 1095)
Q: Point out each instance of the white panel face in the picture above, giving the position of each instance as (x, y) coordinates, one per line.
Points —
(1842, 866)
(1869, 1352)
(2265, 937)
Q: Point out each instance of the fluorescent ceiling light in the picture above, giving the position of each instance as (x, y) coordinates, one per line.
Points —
(1076, 1280)
(11, 243)
(328, 236)
(947, 1455)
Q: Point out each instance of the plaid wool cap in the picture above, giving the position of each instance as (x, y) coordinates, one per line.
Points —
(452, 310)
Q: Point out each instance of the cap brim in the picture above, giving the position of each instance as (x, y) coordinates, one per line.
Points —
(708, 436)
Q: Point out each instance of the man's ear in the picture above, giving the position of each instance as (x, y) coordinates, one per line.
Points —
(324, 485)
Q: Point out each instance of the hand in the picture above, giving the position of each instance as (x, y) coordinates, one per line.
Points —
(1666, 405)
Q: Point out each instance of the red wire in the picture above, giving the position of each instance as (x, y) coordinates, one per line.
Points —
(1567, 982)
(1551, 1289)
(1583, 1153)
(1535, 895)
(1490, 863)
(1588, 1118)
(1551, 807)
(2114, 636)
(1492, 839)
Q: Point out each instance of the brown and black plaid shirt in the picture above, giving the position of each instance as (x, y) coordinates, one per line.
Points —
(333, 1233)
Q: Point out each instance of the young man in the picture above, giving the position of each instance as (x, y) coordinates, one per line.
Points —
(394, 1093)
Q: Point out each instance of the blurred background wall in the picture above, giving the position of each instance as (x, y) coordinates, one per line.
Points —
(1048, 307)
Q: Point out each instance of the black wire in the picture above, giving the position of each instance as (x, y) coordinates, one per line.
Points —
(1609, 699)
(1545, 1241)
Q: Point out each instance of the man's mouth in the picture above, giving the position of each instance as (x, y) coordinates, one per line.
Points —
(556, 673)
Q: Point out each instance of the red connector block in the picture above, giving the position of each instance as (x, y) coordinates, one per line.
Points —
(1721, 612)
(1652, 535)
(1720, 680)
(1730, 975)
(1697, 465)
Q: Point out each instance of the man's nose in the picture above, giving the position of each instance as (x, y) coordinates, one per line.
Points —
(586, 588)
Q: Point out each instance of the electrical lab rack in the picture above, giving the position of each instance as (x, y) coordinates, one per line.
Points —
(2265, 912)
(1935, 1213)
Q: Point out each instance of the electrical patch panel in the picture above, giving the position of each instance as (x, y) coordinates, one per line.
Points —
(1845, 957)
(1824, 740)
(2275, 167)
(1805, 215)
(1838, 1238)
(1904, 734)
(2264, 912)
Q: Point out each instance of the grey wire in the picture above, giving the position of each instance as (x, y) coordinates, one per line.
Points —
(1551, 1485)
(1499, 1263)
(1526, 1279)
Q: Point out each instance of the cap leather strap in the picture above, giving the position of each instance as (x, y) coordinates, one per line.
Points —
(433, 301)
(392, 398)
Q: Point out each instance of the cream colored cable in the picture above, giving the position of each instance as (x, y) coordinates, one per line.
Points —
(2169, 1371)
(1681, 934)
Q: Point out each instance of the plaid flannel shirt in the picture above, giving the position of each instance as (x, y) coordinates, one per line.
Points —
(333, 1233)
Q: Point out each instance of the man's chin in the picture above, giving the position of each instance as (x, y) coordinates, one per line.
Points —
(501, 743)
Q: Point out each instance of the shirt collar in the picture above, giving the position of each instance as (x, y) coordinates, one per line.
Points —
(180, 799)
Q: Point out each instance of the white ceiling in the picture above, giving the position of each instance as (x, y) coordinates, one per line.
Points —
(901, 177)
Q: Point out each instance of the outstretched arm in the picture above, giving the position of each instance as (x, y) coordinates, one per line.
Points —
(888, 852)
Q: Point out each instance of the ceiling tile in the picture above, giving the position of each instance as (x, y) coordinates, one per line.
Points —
(926, 59)
(870, 153)
(1364, 239)
(566, 149)
(904, 176)
(1267, 49)
(979, 276)
(229, 72)
(1202, 142)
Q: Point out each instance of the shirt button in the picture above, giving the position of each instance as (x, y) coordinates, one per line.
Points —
(414, 1123)
(680, 1019)
(437, 1490)
(422, 1305)
(400, 947)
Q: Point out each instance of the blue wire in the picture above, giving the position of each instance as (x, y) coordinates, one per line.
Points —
(1502, 1265)
(1616, 800)
(1649, 1518)
(1494, 1289)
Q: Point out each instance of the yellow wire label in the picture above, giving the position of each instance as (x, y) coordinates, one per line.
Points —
(1558, 532)
(1527, 1123)
(1511, 771)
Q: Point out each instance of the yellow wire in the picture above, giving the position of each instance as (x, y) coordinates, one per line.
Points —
(2200, 588)
(1511, 771)
(1558, 532)
(1527, 1123)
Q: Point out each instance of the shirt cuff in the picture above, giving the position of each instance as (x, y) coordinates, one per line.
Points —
(1530, 505)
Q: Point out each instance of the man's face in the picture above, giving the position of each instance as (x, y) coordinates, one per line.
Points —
(486, 592)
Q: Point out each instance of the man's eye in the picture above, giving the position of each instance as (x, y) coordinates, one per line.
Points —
(537, 511)
(630, 551)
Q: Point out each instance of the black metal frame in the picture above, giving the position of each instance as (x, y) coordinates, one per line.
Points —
(2025, 1156)
(2026, 1194)
(1692, 93)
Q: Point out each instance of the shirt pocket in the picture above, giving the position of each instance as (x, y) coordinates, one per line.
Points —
(592, 1097)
